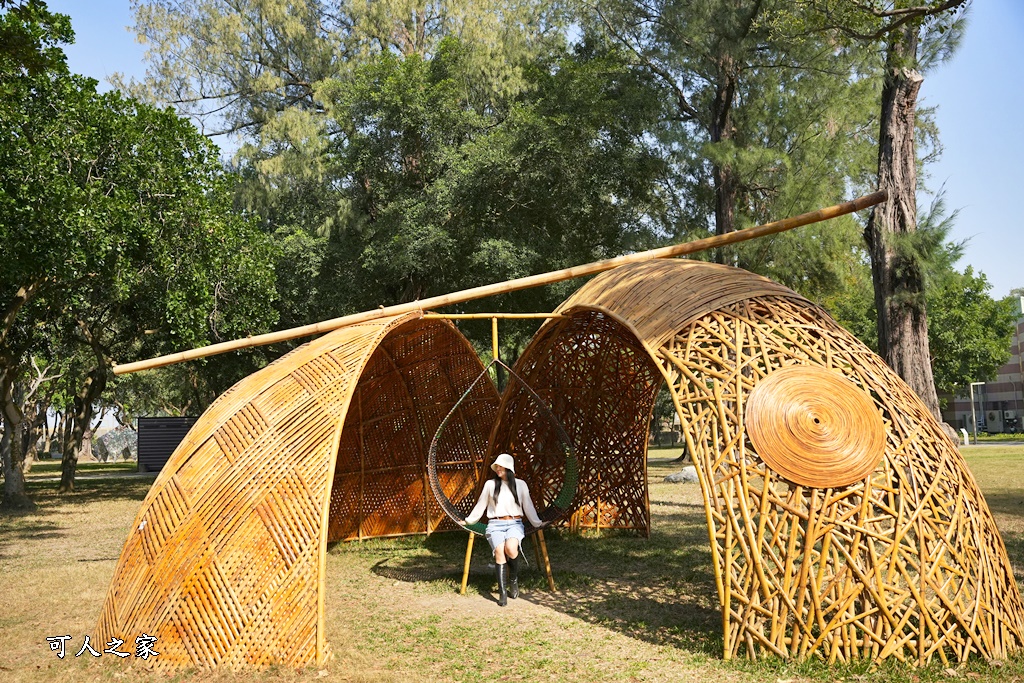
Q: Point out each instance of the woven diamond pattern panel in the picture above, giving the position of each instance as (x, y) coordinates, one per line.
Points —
(225, 562)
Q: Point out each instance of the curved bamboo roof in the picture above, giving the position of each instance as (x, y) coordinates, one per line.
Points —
(655, 299)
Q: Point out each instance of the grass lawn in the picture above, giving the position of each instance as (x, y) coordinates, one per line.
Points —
(51, 468)
(626, 609)
(984, 438)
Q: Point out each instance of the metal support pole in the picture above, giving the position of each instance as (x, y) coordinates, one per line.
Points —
(974, 416)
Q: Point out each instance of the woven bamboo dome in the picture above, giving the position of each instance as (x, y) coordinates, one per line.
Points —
(225, 562)
(870, 540)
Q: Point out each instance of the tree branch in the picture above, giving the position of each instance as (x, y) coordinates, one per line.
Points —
(22, 297)
(681, 100)
(908, 15)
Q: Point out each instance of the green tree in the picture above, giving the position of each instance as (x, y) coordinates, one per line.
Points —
(896, 270)
(760, 126)
(445, 193)
(390, 160)
(184, 271)
(914, 35)
(255, 65)
(116, 237)
(29, 45)
(969, 333)
(30, 37)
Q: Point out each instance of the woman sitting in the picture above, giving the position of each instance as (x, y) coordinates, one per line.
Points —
(506, 499)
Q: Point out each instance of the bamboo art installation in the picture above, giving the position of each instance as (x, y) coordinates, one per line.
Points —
(843, 523)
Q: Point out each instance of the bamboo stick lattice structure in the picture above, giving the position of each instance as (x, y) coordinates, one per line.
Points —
(856, 531)
(601, 385)
(413, 378)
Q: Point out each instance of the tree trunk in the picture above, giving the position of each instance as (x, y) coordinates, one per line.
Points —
(62, 431)
(67, 422)
(69, 456)
(12, 452)
(35, 428)
(85, 448)
(723, 175)
(48, 437)
(94, 384)
(897, 276)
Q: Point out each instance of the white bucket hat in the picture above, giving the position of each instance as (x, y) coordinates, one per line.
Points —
(504, 460)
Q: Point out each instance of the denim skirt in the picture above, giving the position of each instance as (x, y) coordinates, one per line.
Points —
(500, 530)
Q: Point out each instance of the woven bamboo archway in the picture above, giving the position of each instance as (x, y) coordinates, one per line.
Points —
(904, 560)
(225, 561)
(601, 384)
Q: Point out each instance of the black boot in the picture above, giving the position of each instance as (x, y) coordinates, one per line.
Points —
(501, 571)
(513, 576)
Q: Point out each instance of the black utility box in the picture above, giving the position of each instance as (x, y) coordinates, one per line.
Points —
(158, 437)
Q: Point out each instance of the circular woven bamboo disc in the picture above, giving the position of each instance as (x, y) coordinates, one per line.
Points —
(815, 427)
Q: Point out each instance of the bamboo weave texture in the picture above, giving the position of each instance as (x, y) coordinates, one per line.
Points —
(224, 563)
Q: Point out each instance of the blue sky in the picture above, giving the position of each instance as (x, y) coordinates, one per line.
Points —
(978, 93)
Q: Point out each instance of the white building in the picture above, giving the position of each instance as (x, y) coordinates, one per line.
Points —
(998, 405)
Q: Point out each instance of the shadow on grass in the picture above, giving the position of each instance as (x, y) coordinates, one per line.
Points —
(33, 529)
(46, 497)
(411, 570)
(660, 590)
(1006, 503)
(1008, 508)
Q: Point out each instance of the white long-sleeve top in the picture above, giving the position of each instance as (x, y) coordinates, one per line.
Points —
(506, 506)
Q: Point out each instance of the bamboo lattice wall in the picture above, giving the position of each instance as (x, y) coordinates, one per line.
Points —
(414, 377)
(601, 384)
(905, 562)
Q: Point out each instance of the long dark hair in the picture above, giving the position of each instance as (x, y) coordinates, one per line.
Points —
(510, 480)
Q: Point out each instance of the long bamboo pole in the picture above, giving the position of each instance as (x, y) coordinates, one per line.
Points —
(492, 316)
(510, 285)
